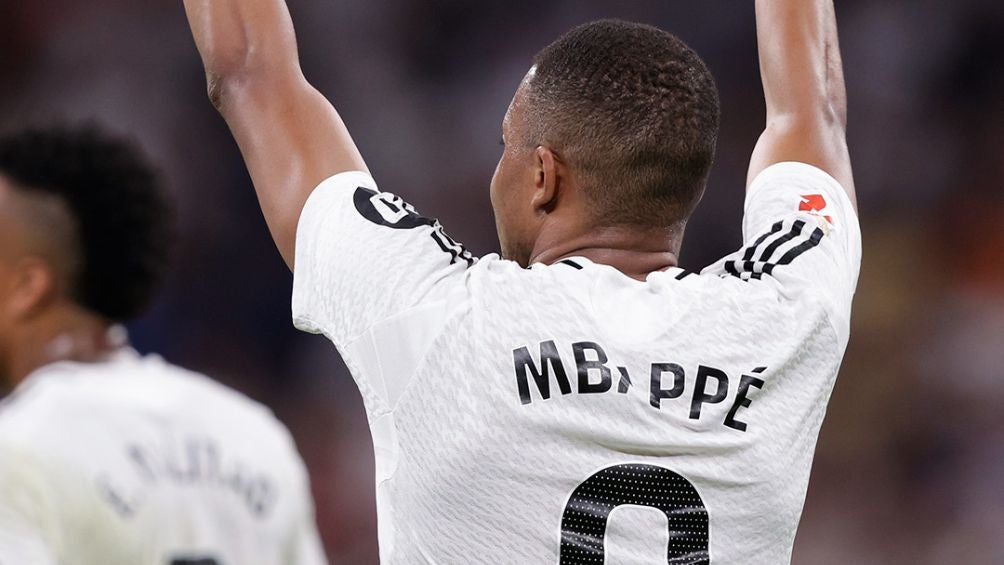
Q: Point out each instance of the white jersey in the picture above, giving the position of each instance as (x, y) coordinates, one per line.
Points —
(134, 461)
(569, 414)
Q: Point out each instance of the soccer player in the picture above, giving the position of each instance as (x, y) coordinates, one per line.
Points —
(108, 457)
(581, 397)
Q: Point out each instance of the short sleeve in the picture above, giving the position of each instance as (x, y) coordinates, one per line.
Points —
(363, 256)
(368, 265)
(800, 231)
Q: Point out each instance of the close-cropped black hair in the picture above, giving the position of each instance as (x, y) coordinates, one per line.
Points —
(635, 111)
(123, 221)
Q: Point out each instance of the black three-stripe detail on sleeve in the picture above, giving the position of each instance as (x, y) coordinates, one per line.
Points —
(814, 239)
(730, 266)
(795, 230)
(747, 267)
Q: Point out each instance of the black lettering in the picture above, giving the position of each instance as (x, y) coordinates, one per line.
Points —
(701, 396)
(741, 401)
(118, 501)
(584, 365)
(656, 392)
(522, 360)
(141, 459)
(450, 245)
(258, 495)
(625, 383)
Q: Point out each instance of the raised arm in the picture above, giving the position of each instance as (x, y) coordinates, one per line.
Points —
(289, 134)
(803, 83)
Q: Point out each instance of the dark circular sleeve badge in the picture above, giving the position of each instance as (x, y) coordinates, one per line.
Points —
(387, 209)
(584, 521)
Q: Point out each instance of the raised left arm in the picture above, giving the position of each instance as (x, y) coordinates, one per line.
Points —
(291, 137)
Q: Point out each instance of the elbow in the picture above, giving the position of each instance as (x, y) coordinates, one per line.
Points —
(223, 81)
(223, 68)
(214, 88)
(221, 88)
(244, 74)
(227, 64)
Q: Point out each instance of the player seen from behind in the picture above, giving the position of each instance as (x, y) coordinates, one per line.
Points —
(108, 457)
(580, 398)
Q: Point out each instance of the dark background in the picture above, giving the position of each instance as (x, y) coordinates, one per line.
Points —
(910, 463)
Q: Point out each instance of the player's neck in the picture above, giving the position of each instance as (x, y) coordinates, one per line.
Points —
(65, 334)
(632, 251)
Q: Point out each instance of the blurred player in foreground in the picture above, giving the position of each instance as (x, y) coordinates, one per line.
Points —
(581, 398)
(108, 457)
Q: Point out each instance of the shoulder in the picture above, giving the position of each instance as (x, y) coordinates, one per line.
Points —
(800, 189)
(193, 394)
(34, 405)
(127, 388)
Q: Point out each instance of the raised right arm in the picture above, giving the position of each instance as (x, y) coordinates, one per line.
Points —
(803, 84)
(289, 134)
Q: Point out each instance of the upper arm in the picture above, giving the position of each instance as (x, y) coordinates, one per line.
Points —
(291, 139)
(815, 140)
(801, 234)
(803, 84)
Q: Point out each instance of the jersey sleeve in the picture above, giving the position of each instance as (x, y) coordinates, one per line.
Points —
(800, 231)
(365, 256)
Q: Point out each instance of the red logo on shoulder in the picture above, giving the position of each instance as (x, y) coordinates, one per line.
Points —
(814, 204)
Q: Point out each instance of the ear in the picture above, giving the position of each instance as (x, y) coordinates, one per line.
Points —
(32, 287)
(549, 173)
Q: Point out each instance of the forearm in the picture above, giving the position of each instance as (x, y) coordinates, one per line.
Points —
(241, 41)
(803, 84)
(800, 60)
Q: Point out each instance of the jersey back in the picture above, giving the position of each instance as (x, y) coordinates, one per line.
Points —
(135, 461)
(569, 414)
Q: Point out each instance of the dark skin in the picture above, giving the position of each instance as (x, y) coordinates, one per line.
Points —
(39, 323)
(292, 138)
(554, 225)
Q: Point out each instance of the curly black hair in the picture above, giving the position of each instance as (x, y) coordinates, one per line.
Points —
(635, 111)
(123, 219)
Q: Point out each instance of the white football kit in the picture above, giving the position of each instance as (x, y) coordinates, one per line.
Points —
(133, 461)
(570, 414)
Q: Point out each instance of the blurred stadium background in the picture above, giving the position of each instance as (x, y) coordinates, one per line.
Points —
(910, 464)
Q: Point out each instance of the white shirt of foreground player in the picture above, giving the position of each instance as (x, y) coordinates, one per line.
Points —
(134, 461)
(568, 413)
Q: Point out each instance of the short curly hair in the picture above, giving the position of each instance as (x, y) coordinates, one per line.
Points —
(123, 219)
(635, 111)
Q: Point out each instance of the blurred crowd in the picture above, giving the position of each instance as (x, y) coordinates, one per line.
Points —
(910, 463)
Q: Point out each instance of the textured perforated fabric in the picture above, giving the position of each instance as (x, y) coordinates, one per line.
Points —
(136, 462)
(568, 414)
